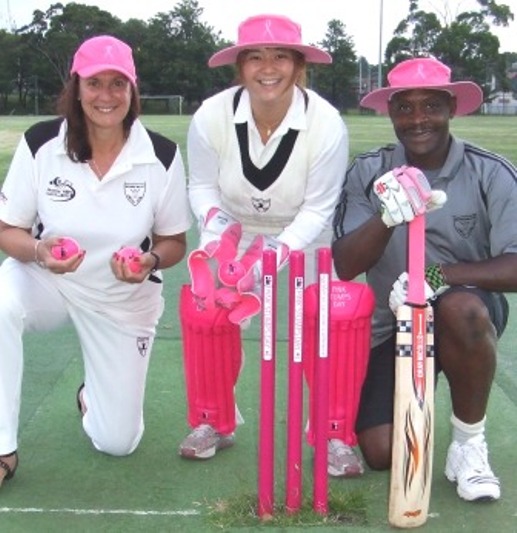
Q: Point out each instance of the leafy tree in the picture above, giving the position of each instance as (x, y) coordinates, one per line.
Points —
(172, 50)
(9, 67)
(509, 65)
(175, 53)
(55, 34)
(337, 82)
(463, 42)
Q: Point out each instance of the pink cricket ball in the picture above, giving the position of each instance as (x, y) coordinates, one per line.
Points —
(230, 272)
(65, 249)
(131, 256)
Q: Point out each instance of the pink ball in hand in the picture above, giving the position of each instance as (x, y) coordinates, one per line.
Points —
(230, 272)
(66, 248)
(131, 255)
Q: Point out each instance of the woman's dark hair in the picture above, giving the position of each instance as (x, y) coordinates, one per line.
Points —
(69, 106)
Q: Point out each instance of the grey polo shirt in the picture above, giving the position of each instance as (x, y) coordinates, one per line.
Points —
(478, 221)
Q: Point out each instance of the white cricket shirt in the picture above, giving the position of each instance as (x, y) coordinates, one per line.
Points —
(298, 200)
(144, 192)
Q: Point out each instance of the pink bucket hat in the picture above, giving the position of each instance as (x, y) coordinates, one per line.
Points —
(425, 73)
(273, 31)
(104, 53)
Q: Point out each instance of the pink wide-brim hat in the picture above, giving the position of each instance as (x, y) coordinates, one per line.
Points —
(269, 31)
(425, 73)
(102, 53)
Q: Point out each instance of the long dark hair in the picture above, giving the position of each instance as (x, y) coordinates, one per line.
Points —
(69, 106)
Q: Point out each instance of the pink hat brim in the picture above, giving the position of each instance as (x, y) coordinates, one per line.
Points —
(469, 96)
(228, 56)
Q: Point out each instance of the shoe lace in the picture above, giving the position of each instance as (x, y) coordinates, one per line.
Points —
(475, 454)
(204, 430)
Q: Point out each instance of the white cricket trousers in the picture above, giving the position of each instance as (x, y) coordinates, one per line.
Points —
(115, 356)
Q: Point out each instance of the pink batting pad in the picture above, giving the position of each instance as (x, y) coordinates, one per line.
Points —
(212, 354)
(351, 309)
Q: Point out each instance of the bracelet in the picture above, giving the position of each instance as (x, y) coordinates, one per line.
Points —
(157, 260)
(36, 258)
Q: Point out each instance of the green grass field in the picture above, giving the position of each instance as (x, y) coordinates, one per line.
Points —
(63, 484)
(366, 132)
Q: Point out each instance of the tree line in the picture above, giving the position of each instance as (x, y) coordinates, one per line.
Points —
(172, 48)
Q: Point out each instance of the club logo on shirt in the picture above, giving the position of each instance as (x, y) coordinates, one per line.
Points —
(261, 205)
(464, 225)
(142, 343)
(60, 190)
(381, 188)
(134, 192)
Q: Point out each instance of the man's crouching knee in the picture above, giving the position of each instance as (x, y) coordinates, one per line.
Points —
(375, 444)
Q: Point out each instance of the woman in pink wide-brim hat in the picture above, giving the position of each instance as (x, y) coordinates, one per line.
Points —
(269, 31)
(268, 156)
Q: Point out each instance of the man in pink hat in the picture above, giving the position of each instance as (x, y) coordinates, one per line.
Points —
(471, 258)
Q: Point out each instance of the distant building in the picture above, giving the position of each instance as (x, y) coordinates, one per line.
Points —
(511, 74)
(500, 104)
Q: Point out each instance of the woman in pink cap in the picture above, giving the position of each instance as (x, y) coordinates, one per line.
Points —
(266, 159)
(95, 175)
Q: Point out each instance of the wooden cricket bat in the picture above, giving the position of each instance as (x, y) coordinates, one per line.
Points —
(413, 417)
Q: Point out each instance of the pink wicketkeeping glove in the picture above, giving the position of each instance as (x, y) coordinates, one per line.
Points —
(220, 234)
(245, 275)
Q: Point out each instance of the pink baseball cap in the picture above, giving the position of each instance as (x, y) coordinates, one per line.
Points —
(101, 53)
(272, 31)
(425, 73)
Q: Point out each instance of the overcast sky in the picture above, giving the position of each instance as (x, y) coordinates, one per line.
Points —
(362, 18)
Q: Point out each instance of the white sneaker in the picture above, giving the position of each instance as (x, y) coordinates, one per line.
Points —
(467, 465)
(342, 460)
(203, 442)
